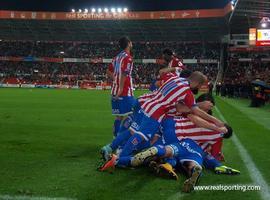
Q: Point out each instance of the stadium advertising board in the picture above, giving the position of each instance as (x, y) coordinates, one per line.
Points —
(259, 37)
(263, 37)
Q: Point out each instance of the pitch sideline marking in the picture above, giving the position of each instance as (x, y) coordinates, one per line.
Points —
(24, 197)
(246, 111)
(254, 172)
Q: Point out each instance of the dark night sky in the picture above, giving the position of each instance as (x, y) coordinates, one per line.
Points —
(134, 5)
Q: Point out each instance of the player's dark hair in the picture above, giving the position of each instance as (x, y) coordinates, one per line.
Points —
(123, 42)
(229, 132)
(185, 73)
(210, 112)
(168, 52)
(206, 97)
(195, 91)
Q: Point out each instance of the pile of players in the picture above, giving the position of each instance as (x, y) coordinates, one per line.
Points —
(166, 129)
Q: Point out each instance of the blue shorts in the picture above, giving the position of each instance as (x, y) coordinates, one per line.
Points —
(123, 105)
(153, 86)
(168, 131)
(145, 126)
(136, 116)
(187, 150)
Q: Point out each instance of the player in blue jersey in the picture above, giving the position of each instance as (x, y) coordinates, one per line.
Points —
(189, 155)
(185, 150)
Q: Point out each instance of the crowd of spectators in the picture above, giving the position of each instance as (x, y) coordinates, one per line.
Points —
(52, 73)
(238, 77)
(71, 73)
(141, 50)
(248, 54)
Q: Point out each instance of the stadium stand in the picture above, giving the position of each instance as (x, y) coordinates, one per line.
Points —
(70, 73)
(142, 50)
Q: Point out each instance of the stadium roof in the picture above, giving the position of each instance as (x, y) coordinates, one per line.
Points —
(181, 25)
(148, 5)
(247, 14)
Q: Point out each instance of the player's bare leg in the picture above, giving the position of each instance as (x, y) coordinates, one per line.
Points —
(194, 171)
(139, 158)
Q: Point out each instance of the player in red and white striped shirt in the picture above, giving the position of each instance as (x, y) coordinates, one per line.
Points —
(190, 126)
(172, 63)
(173, 67)
(122, 66)
(183, 127)
(172, 92)
(120, 71)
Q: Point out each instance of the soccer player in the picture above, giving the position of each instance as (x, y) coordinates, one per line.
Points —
(185, 150)
(173, 67)
(172, 63)
(173, 91)
(120, 71)
(124, 133)
(206, 134)
(187, 153)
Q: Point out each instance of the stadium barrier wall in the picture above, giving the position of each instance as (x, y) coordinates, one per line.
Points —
(96, 60)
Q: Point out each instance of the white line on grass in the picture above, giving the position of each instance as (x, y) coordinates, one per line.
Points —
(24, 197)
(254, 172)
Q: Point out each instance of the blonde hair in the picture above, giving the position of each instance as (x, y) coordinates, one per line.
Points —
(199, 77)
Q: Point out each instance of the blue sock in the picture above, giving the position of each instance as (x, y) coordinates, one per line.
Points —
(125, 124)
(116, 126)
(143, 145)
(210, 162)
(123, 161)
(131, 145)
(120, 139)
(161, 150)
(171, 161)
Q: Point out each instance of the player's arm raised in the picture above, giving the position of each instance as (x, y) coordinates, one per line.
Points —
(167, 70)
(177, 67)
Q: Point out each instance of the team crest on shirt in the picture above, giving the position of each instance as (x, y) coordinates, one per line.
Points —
(134, 141)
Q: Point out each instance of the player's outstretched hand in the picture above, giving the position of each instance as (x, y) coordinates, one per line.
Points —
(223, 129)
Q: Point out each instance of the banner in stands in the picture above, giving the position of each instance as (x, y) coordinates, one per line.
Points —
(207, 61)
(96, 60)
(150, 15)
(246, 49)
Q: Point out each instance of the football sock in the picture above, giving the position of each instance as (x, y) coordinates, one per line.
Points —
(116, 126)
(210, 162)
(120, 139)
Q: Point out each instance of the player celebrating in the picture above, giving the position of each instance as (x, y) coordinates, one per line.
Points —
(172, 63)
(173, 66)
(188, 154)
(120, 71)
(173, 91)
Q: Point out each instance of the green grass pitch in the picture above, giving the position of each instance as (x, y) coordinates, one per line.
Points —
(50, 141)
